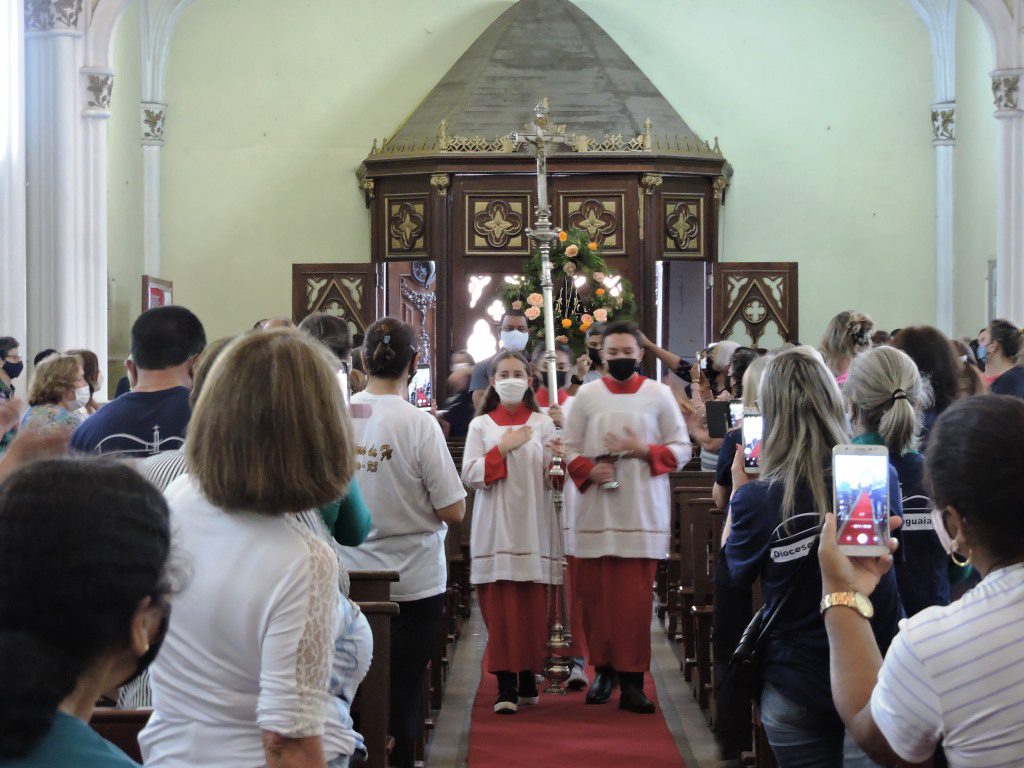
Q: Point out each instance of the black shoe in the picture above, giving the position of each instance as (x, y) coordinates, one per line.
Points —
(528, 693)
(601, 691)
(507, 703)
(633, 698)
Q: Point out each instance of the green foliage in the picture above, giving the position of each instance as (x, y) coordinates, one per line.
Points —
(583, 289)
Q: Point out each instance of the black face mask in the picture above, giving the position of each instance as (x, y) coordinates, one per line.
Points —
(595, 356)
(541, 379)
(154, 648)
(13, 370)
(622, 368)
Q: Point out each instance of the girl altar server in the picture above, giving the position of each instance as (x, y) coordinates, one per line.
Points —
(508, 448)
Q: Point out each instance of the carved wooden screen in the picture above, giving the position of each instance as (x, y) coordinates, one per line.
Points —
(345, 290)
(412, 297)
(756, 303)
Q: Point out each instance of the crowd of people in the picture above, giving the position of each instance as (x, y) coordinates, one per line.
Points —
(240, 480)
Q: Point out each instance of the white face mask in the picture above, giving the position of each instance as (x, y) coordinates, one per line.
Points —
(514, 341)
(511, 391)
(941, 532)
(82, 395)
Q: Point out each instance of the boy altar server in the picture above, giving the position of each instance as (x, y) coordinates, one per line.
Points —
(624, 434)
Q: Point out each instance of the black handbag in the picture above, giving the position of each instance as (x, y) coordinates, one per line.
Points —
(744, 671)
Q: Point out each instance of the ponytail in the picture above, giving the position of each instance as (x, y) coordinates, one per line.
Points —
(887, 394)
(388, 348)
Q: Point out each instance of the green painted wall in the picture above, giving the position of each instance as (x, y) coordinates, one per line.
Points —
(821, 106)
(976, 154)
(124, 185)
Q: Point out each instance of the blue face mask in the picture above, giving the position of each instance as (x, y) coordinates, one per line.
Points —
(980, 354)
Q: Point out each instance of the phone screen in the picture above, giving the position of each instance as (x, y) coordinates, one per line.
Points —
(735, 413)
(420, 390)
(717, 412)
(860, 480)
(753, 429)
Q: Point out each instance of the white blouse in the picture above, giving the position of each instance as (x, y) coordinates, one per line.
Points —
(512, 519)
(251, 640)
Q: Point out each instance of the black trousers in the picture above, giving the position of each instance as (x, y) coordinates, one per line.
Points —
(413, 634)
(733, 612)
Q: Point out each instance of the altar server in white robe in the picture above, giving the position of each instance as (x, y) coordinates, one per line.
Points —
(508, 449)
(558, 412)
(624, 434)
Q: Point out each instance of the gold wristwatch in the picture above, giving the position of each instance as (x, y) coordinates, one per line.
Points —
(855, 600)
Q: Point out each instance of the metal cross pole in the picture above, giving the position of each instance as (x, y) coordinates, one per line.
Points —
(557, 666)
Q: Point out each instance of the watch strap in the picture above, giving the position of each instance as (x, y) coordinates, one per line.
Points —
(576, 380)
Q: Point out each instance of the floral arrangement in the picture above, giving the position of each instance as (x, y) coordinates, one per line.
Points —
(584, 292)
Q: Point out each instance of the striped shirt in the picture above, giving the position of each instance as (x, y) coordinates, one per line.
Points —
(955, 674)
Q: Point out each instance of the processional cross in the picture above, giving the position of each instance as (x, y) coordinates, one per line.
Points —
(558, 666)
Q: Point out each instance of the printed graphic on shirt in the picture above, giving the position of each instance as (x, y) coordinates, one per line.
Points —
(792, 550)
(373, 456)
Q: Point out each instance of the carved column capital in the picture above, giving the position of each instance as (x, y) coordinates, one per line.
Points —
(153, 115)
(1006, 92)
(944, 123)
(98, 85)
(366, 184)
(441, 182)
(53, 16)
(650, 182)
(719, 186)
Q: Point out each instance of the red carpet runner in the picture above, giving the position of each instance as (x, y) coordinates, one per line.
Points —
(562, 731)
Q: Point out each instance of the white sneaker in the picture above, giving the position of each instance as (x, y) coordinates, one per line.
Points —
(507, 704)
(578, 679)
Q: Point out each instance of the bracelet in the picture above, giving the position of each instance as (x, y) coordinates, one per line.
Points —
(576, 380)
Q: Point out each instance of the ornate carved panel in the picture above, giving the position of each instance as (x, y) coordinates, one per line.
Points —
(344, 290)
(496, 223)
(683, 224)
(599, 214)
(407, 225)
(752, 297)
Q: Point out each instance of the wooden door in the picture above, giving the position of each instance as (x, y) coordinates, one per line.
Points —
(756, 304)
(345, 290)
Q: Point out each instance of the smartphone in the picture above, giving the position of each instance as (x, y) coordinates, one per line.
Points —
(420, 389)
(735, 413)
(860, 484)
(718, 417)
(753, 430)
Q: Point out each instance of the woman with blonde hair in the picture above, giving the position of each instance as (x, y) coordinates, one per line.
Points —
(775, 524)
(56, 395)
(887, 396)
(245, 675)
(848, 334)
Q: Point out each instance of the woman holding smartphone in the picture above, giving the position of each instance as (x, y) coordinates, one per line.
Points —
(885, 392)
(413, 490)
(775, 523)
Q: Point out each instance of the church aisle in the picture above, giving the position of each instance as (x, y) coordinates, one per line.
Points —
(563, 731)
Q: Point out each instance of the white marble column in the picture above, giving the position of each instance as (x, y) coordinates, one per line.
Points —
(939, 18)
(53, 103)
(13, 287)
(153, 114)
(1006, 92)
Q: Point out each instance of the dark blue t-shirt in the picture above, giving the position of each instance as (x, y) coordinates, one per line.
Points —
(921, 563)
(136, 424)
(726, 455)
(796, 655)
(1010, 383)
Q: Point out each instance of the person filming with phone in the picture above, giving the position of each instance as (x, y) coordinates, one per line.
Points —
(952, 675)
(775, 522)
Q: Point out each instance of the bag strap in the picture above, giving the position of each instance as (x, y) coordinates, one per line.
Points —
(766, 627)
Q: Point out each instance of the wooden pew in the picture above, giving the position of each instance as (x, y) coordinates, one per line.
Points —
(684, 577)
(121, 728)
(372, 591)
(699, 541)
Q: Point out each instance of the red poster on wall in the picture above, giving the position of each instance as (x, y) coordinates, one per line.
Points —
(156, 292)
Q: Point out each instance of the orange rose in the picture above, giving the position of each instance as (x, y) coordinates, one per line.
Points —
(567, 323)
(563, 236)
(592, 245)
(586, 320)
(600, 291)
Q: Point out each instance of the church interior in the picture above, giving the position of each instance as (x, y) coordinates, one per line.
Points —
(675, 214)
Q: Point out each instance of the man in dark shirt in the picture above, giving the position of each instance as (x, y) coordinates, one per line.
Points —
(153, 416)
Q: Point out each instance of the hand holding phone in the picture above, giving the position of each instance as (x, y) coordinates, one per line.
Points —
(860, 487)
(753, 434)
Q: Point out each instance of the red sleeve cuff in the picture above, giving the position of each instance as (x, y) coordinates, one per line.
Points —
(579, 470)
(495, 467)
(662, 460)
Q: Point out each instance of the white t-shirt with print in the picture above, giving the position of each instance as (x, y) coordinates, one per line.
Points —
(405, 472)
